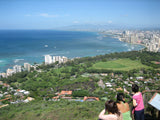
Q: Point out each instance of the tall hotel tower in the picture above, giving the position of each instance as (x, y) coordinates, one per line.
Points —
(27, 66)
(48, 59)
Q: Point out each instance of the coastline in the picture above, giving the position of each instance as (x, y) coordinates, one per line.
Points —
(112, 35)
(91, 50)
(131, 43)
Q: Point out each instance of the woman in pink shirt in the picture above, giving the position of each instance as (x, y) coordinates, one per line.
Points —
(138, 103)
(112, 110)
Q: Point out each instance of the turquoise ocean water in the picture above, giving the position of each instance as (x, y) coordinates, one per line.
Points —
(19, 46)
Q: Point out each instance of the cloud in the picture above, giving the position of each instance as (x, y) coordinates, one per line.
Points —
(48, 15)
(109, 21)
(75, 22)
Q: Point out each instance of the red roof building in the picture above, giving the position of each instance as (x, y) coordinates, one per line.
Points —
(91, 99)
(65, 93)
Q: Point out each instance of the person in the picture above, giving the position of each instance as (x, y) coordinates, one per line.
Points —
(112, 110)
(137, 103)
(123, 107)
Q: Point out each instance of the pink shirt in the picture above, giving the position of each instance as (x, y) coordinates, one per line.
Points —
(139, 100)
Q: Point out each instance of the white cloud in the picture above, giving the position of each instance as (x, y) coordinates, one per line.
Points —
(109, 21)
(47, 15)
(75, 22)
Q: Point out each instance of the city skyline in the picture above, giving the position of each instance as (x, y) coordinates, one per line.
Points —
(48, 14)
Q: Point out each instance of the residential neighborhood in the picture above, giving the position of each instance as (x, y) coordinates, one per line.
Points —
(110, 83)
(9, 95)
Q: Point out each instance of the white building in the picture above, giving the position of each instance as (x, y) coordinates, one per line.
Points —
(10, 72)
(48, 59)
(17, 68)
(65, 59)
(4, 75)
(140, 78)
(59, 59)
(26, 92)
(108, 84)
(27, 66)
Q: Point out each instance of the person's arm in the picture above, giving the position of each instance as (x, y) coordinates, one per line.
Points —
(102, 114)
(134, 103)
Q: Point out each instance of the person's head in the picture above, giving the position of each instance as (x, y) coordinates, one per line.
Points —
(120, 97)
(135, 88)
(111, 107)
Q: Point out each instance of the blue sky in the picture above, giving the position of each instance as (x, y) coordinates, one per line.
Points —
(48, 14)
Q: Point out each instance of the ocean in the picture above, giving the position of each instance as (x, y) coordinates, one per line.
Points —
(20, 46)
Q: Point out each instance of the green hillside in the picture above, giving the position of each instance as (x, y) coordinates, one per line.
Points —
(45, 110)
(84, 77)
(120, 64)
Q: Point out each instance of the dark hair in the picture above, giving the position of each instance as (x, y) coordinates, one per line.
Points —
(111, 106)
(120, 97)
(135, 88)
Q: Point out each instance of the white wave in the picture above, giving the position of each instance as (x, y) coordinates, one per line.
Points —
(17, 60)
(132, 47)
(125, 45)
(45, 45)
(100, 37)
(99, 50)
(1, 61)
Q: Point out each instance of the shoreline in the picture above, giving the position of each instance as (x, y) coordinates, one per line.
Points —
(111, 35)
(105, 35)
(131, 43)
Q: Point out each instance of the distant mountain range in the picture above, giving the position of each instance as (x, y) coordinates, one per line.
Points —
(90, 27)
(101, 27)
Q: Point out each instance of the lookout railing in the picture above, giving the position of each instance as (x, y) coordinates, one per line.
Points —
(150, 111)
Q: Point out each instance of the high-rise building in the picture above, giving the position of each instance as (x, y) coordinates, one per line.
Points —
(17, 68)
(55, 58)
(48, 59)
(64, 59)
(27, 66)
(125, 33)
(59, 59)
(10, 72)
